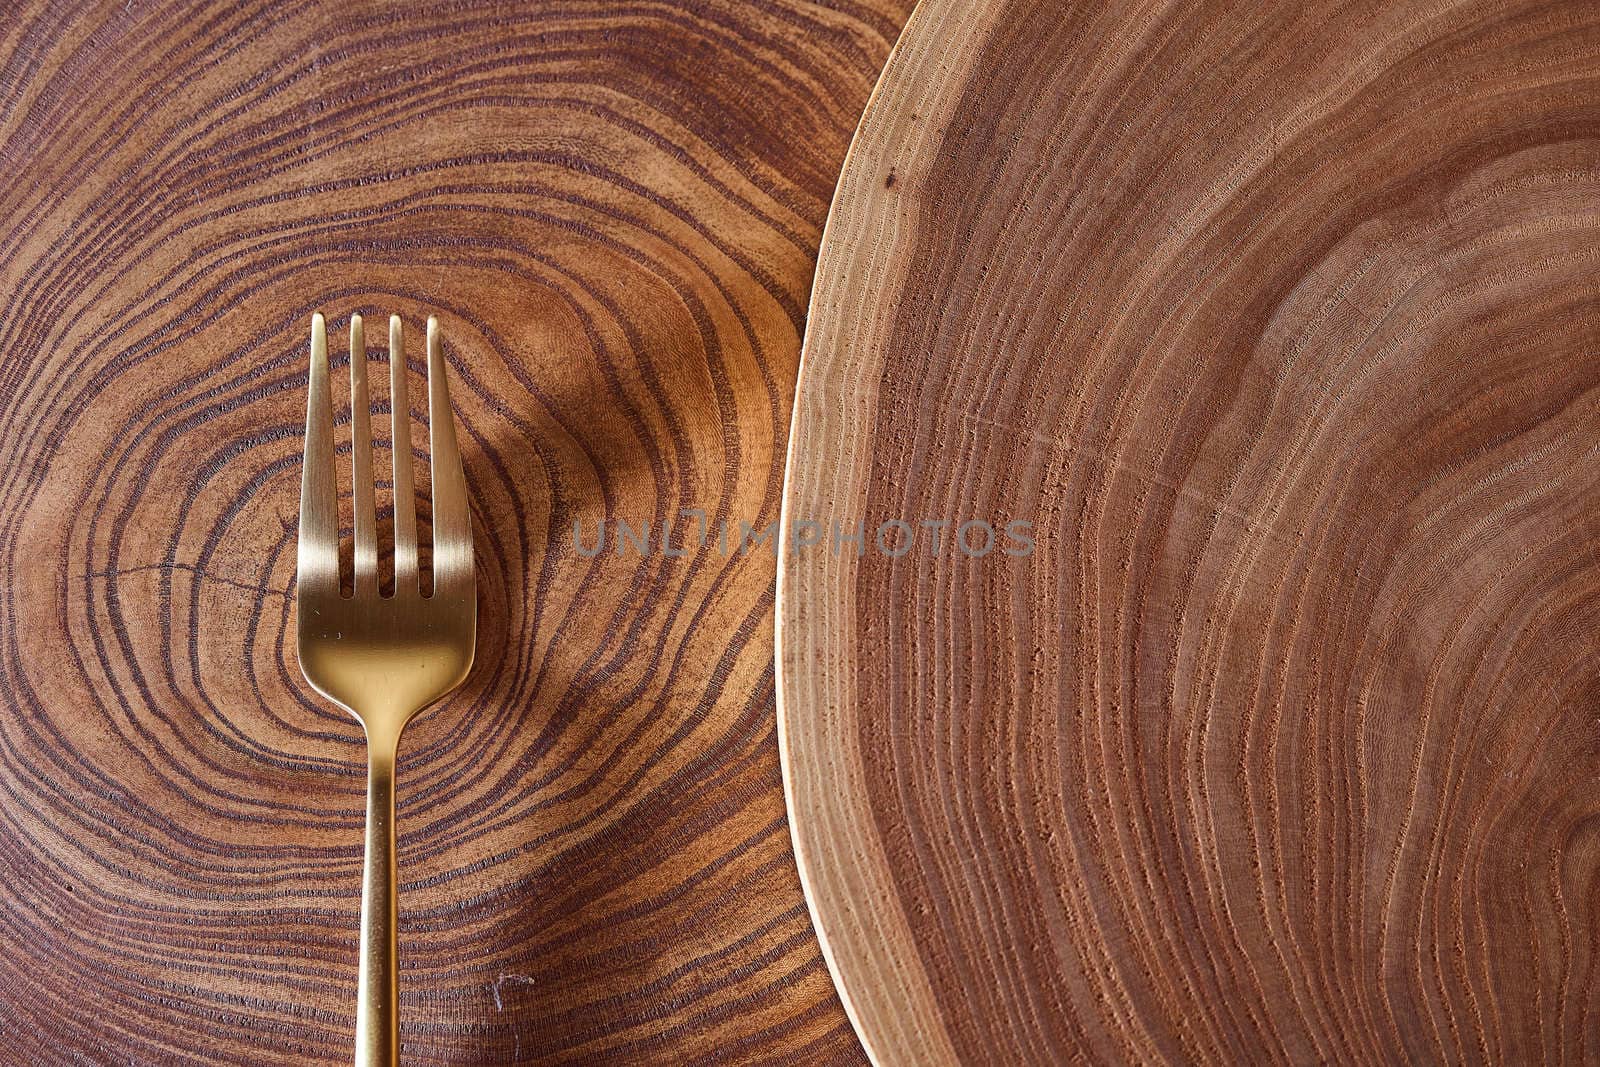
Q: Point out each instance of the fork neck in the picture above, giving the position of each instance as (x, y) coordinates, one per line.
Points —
(383, 740)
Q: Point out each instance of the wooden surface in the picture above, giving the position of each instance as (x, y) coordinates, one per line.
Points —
(614, 210)
(1280, 323)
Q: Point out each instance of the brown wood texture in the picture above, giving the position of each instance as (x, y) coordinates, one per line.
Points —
(1280, 323)
(614, 209)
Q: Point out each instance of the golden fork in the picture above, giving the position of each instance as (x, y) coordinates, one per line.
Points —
(383, 659)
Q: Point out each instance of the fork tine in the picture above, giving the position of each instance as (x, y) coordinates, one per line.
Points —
(318, 556)
(366, 521)
(405, 492)
(452, 523)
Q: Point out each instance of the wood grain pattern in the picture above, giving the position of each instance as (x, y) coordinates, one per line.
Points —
(1279, 323)
(614, 210)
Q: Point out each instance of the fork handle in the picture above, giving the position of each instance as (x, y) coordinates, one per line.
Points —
(377, 994)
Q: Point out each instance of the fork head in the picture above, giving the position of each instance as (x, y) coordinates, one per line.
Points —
(383, 659)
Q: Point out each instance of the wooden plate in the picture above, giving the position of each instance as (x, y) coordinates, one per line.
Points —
(614, 210)
(1279, 324)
